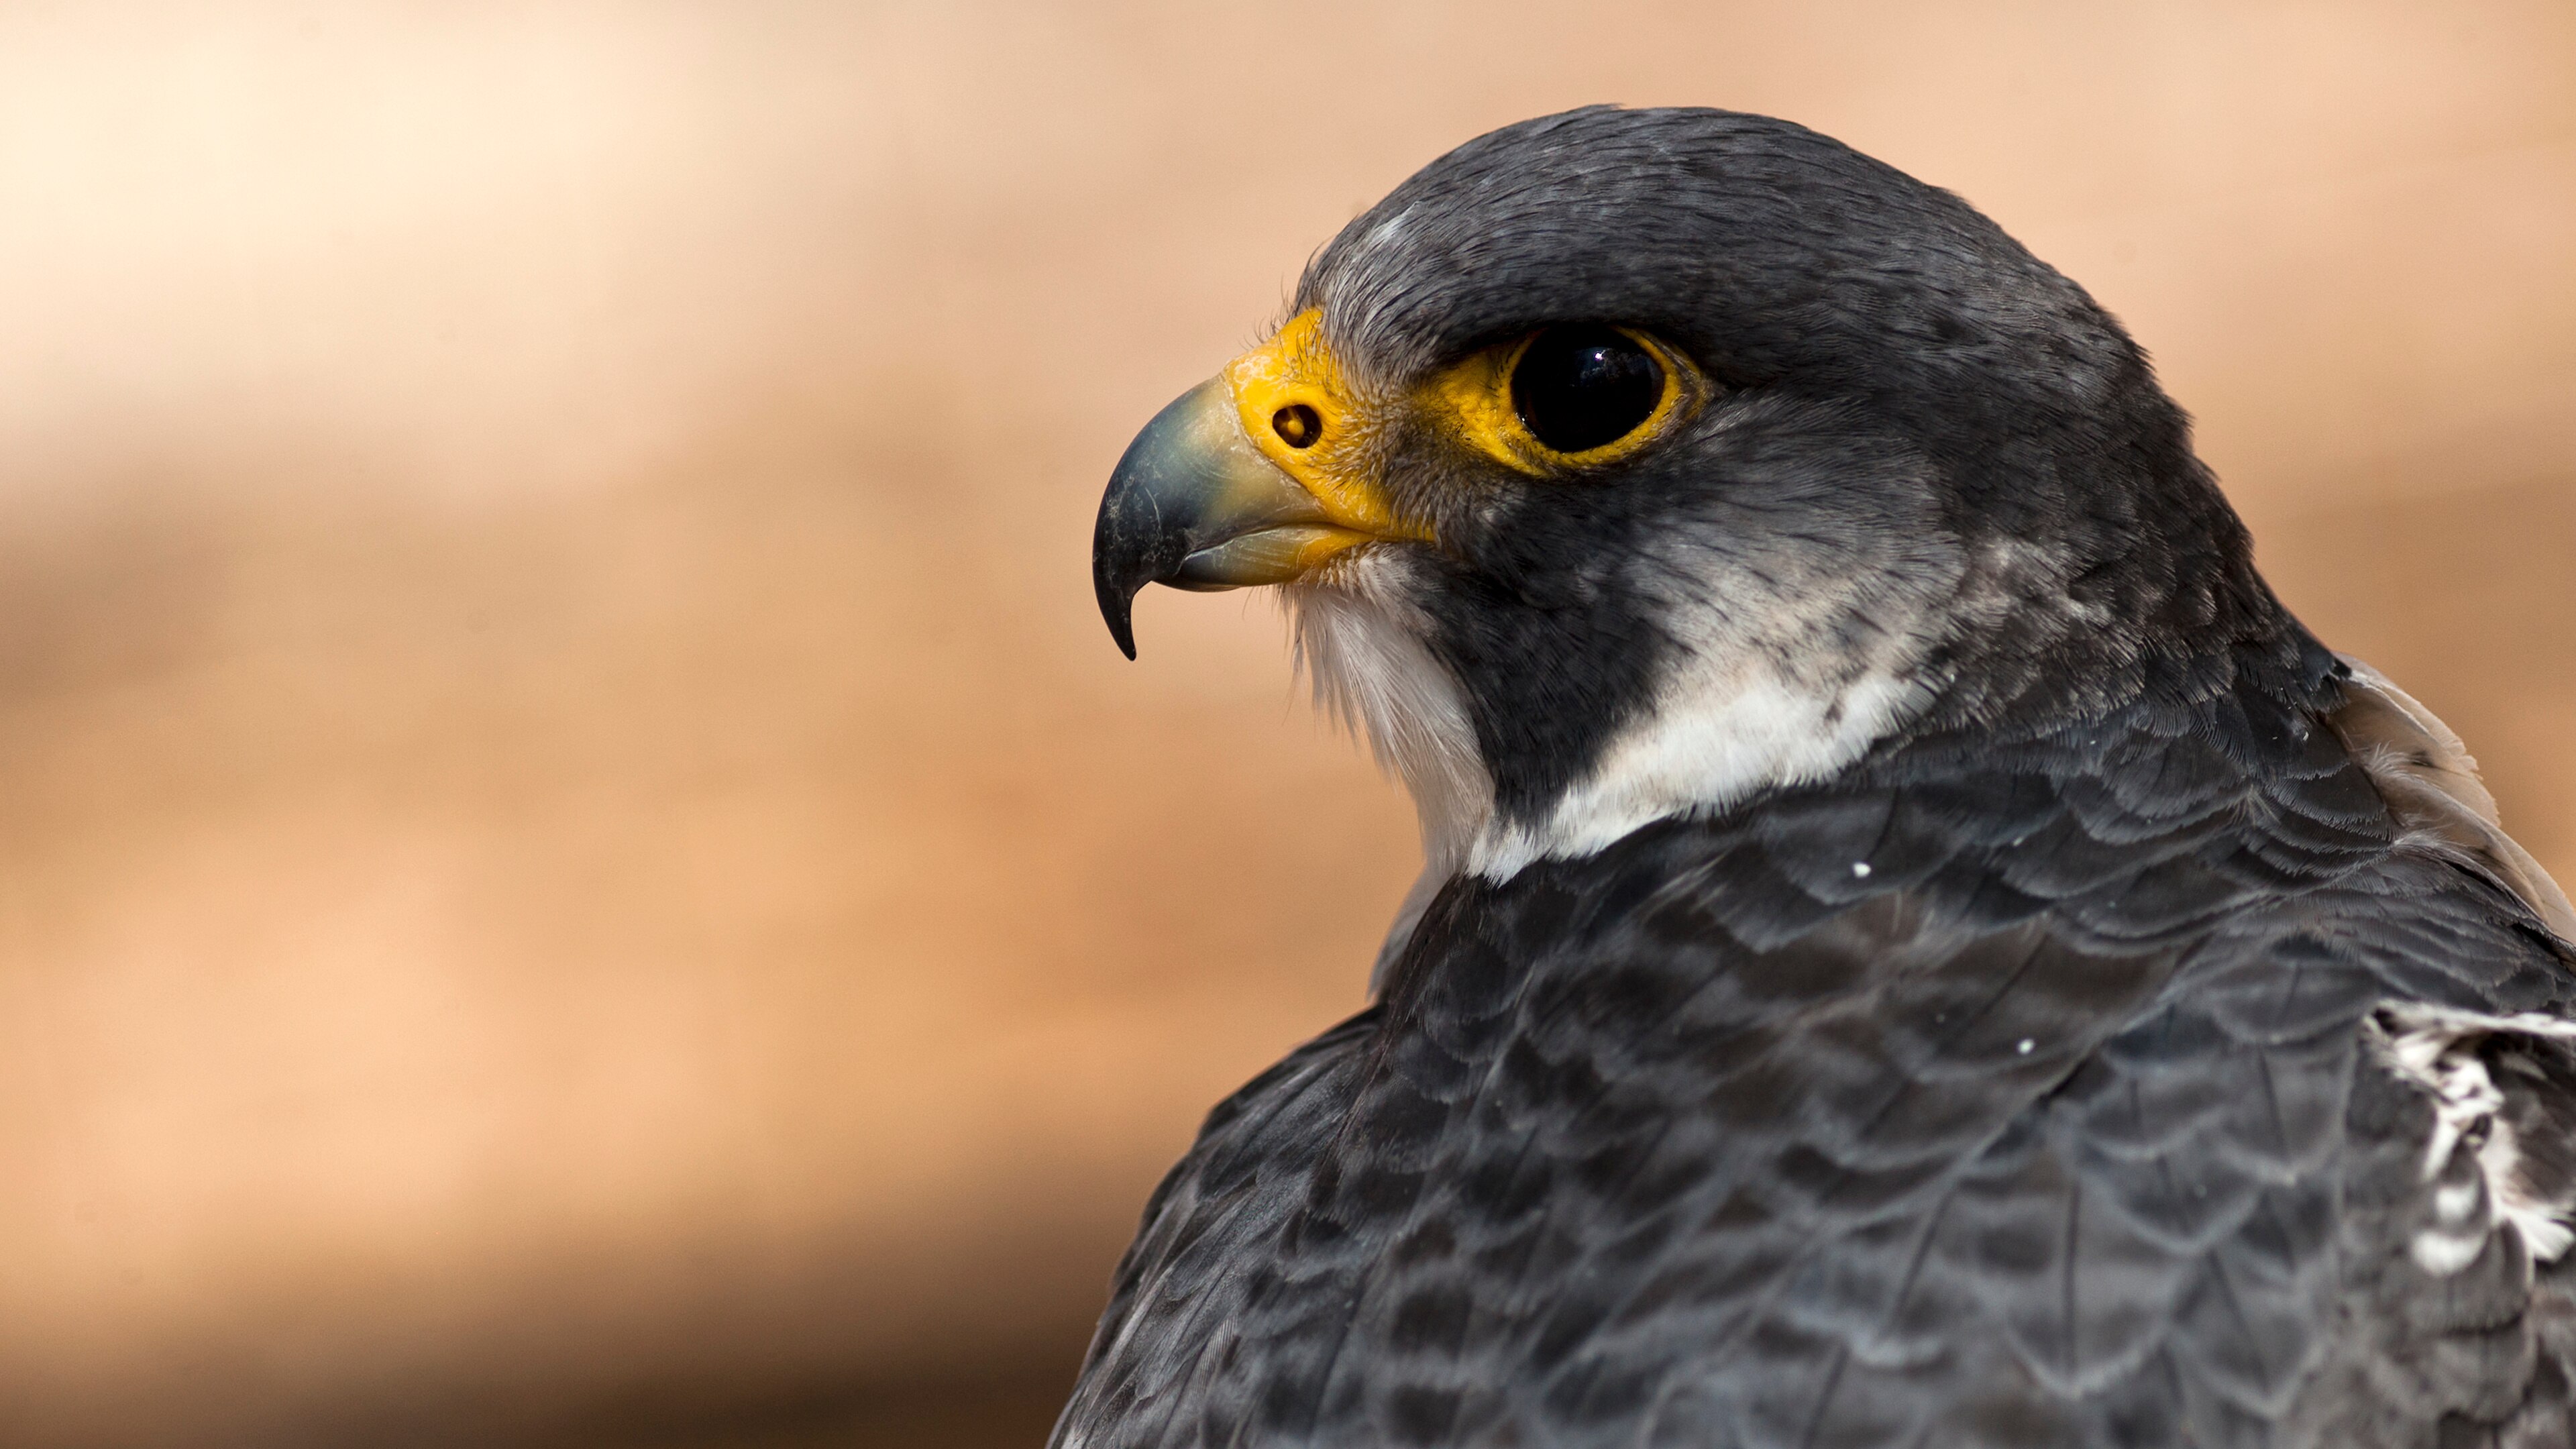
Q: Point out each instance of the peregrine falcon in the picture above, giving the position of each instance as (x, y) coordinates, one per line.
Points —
(1917, 946)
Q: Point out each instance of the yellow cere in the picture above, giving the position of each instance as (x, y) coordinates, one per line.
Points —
(1330, 456)
(1476, 397)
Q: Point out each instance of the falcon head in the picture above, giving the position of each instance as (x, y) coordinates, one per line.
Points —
(1629, 463)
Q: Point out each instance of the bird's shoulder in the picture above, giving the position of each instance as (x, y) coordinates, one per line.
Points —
(1236, 1185)
(2083, 1091)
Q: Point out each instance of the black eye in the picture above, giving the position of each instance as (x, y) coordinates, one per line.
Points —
(1577, 388)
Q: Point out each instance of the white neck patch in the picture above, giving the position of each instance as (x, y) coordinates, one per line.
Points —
(1776, 682)
(1709, 743)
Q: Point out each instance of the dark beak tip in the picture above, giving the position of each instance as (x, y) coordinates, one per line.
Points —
(1117, 596)
(1118, 574)
(1118, 614)
(1130, 546)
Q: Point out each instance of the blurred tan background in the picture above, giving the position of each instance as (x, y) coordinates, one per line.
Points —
(576, 866)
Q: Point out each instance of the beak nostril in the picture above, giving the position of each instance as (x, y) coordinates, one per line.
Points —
(1297, 425)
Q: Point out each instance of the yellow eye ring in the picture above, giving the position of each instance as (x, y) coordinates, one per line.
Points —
(1476, 398)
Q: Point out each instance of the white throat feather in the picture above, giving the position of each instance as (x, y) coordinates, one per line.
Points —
(1361, 646)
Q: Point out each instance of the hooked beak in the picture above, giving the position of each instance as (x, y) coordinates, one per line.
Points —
(1195, 505)
(1256, 476)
